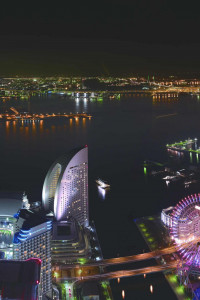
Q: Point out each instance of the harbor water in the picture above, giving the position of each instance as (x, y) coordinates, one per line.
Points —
(121, 134)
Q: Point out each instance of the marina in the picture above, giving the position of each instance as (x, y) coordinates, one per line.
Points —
(189, 145)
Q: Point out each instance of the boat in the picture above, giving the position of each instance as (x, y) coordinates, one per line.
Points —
(171, 178)
(102, 184)
(188, 182)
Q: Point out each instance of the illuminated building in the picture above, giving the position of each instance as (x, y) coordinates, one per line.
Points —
(70, 242)
(19, 279)
(32, 240)
(65, 190)
(10, 204)
(166, 216)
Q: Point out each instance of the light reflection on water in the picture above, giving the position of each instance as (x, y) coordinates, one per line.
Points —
(38, 125)
(103, 192)
(120, 136)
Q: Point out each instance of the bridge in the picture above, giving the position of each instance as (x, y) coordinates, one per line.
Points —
(124, 273)
(159, 92)
(97, 269)
(139, 93)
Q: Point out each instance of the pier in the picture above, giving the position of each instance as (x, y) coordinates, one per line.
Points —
(29, 116)
(185, 146)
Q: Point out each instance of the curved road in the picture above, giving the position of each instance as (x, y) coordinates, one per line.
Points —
(133, 258)
(128, 273)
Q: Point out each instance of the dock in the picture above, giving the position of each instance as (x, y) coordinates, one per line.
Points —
(185, 146)
(32, 117)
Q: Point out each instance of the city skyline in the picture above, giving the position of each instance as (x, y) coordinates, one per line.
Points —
(97, 200)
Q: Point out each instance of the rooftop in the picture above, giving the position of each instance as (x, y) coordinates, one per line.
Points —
(10, 203)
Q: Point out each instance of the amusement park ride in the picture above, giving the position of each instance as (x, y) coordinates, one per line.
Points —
(185, 234)
(186, 228)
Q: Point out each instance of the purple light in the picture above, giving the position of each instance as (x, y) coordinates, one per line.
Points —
(185, 208)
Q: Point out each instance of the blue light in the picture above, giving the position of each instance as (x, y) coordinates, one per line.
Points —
(22, 235)
(25, 231)
(16, 216)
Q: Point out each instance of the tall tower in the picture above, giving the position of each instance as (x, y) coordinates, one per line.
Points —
(65, 190)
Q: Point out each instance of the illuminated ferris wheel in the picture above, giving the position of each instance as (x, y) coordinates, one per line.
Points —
(186, 229)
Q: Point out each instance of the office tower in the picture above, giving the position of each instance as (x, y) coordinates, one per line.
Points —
(32, 240)
(65, 190)
(10, 204)
(20, 279)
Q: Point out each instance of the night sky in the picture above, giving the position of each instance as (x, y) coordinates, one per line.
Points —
(99, 37)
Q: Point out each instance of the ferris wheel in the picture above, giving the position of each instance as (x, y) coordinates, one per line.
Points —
(185, 229)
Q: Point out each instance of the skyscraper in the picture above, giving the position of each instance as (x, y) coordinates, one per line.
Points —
(65, 190)
(10, 204)
(32, 239)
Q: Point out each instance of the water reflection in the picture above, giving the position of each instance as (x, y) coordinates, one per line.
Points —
(34, 128)
(77, 120)
(7, 127)
(103, 192)
(14, 126)
(191, 158)
(41, 125)
(77, 102)
(84, 122)
(85, 103)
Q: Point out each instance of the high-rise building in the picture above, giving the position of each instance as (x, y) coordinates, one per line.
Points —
(65, 190)
(32, 239)
(10, 204)
(20, 279)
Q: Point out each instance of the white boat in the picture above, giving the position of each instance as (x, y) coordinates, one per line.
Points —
(102, 183)
(171, 178)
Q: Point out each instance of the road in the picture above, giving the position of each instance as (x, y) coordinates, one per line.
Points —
(128, 273)
(133, 258)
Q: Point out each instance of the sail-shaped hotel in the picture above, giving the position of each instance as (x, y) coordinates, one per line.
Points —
(65, 190)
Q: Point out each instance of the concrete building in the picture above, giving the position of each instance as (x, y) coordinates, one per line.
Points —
(65, 190)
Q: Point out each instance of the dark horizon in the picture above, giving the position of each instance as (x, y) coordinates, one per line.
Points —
(99, 38)
(141, 21)
(45, 56)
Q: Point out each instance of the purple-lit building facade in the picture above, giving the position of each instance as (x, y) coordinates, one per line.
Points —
(65, 190)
